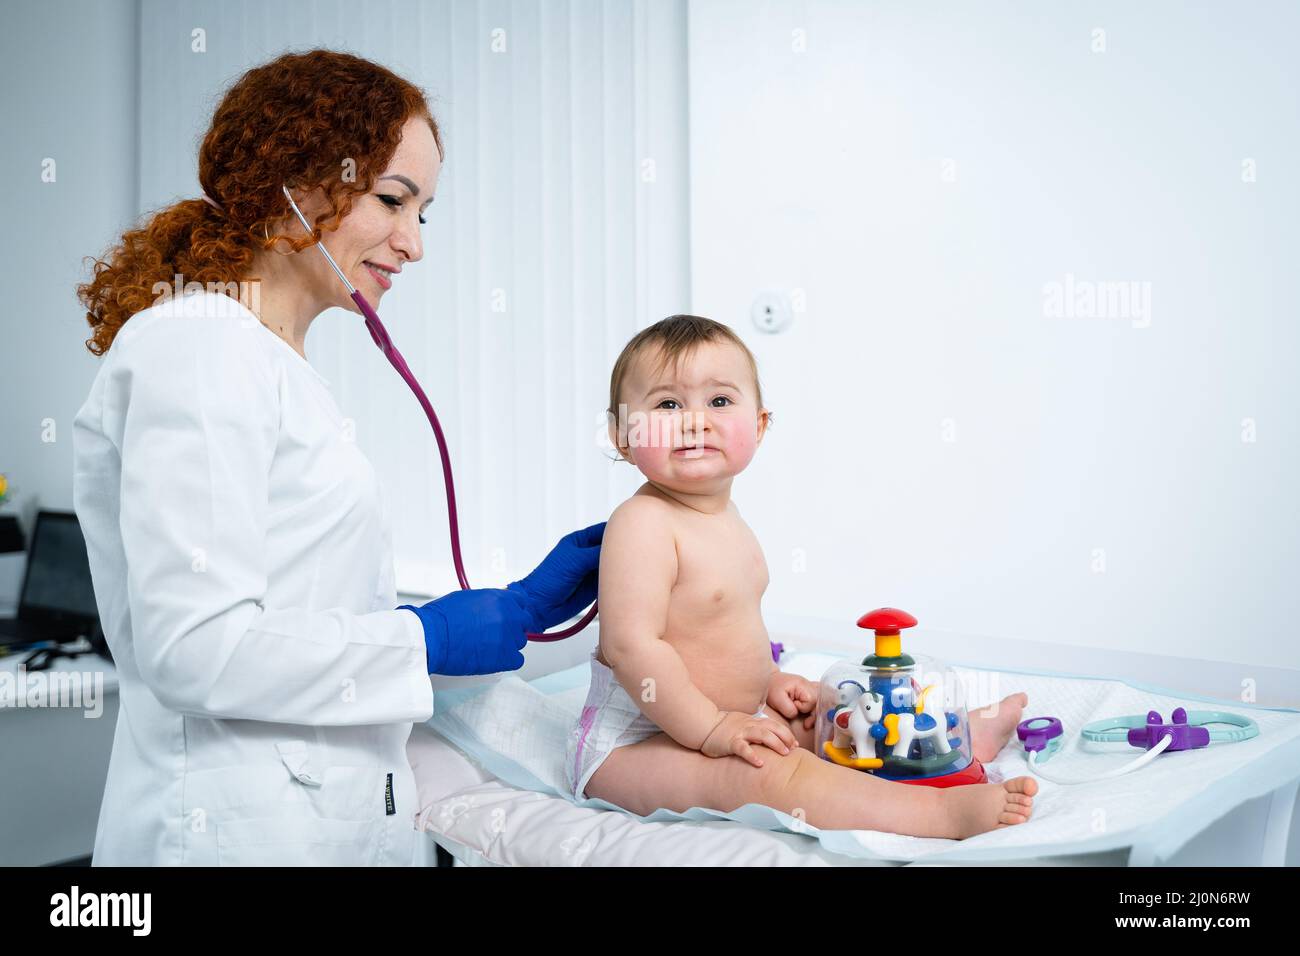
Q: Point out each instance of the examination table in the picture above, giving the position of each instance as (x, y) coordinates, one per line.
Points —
(480, 819)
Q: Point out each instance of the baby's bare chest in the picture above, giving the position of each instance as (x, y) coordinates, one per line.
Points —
(721, 575)
(715, 620)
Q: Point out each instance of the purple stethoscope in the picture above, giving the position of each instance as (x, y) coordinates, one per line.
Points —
(1186, 730)
(385, 344)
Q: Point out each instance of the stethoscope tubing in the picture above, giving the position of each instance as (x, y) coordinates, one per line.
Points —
(385, 344)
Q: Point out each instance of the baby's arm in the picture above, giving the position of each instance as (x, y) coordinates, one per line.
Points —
(638, 568)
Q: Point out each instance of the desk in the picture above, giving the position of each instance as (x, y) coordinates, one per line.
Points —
(55, 761)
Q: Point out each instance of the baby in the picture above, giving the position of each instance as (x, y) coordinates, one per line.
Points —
(683, 670)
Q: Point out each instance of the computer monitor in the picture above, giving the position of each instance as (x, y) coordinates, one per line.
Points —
(57, 588)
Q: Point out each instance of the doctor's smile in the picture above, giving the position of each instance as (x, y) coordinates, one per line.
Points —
(382, 274)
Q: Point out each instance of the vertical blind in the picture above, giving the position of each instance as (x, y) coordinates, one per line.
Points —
(560, 228)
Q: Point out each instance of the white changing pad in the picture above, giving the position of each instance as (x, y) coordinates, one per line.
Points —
(516, 731)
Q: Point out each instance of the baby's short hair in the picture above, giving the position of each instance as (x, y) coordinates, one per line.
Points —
(674, 337)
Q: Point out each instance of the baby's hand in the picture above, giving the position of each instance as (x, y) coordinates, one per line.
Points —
(737, 731)
(790, 695)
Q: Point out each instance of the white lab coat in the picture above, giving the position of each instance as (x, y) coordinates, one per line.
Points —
(243, 569)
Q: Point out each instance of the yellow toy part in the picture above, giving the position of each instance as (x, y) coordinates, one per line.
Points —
(920, 701)
(841, 756)
(889, 645)
(891, 725)
(4, 485)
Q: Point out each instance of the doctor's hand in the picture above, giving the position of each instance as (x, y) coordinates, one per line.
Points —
(473, 632)
(565, 582)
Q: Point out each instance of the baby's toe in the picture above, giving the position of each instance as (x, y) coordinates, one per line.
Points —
(1021, 810)
(1025, 785)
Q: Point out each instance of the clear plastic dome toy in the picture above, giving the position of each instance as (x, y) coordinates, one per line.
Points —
(895, 715)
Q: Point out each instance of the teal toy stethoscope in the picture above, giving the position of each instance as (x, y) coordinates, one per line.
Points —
(1187, 730)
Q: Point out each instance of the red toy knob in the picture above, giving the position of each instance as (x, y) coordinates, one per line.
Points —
(886, 621)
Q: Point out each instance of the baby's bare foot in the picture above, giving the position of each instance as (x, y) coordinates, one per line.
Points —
(991, 727)
(987, 806)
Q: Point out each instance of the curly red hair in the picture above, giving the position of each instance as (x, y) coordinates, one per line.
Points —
(320, 118)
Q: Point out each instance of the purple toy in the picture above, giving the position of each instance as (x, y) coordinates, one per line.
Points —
(1184, 736)
(1036, 732)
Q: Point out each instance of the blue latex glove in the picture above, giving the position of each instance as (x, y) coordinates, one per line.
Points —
(473, 632)
(565, 582)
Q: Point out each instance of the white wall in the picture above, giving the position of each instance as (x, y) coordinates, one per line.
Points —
(821, 171)
(69, 79)
(1073, 440)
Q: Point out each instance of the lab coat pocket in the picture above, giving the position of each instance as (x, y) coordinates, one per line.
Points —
(297, 841)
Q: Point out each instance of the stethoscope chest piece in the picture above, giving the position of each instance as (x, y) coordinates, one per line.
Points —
(1041, 735)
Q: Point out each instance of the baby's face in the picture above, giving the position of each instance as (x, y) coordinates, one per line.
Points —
(694, 426)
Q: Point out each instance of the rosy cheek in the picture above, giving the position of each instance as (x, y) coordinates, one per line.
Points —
(740, 440)
(651, 459)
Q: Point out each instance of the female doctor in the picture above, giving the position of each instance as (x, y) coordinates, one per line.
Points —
(239, 550)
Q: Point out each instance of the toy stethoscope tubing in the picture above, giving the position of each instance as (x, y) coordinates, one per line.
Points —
(385, 344)
(1132, 765)
(1115, 730)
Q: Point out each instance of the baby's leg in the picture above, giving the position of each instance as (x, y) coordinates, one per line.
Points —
(991, 727)
(659, 772)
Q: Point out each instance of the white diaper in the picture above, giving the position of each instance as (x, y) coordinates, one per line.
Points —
(610, 719)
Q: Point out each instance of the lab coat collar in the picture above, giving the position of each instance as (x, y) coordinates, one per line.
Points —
(239, 306)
